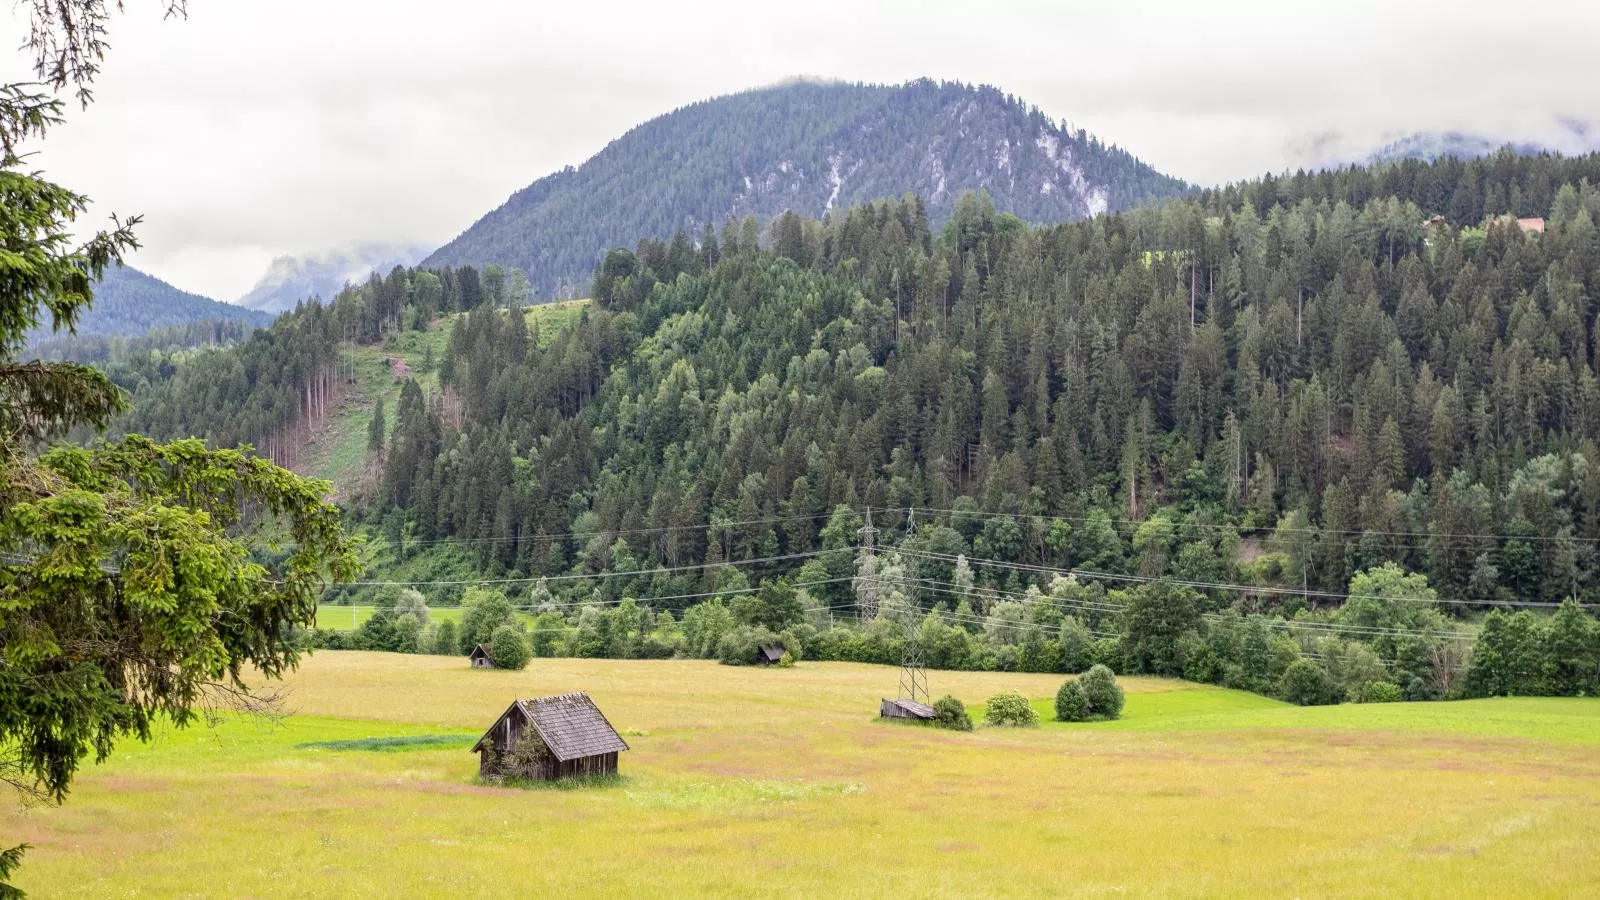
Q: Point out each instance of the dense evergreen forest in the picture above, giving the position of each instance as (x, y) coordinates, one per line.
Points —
(810, 147)
(267, 390)
(128, 359)
(1262, 398)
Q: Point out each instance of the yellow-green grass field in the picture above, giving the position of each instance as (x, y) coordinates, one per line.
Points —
(348, 618)
(782, 782)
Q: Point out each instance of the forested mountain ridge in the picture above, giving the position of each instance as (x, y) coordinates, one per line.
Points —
(1276, 384)
(128, 303)
(810, 147)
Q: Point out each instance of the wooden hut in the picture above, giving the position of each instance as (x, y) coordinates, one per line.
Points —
(905, 709)
(480, 657)
(549, 738)
(769, 654)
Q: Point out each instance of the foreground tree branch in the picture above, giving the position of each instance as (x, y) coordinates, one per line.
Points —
(125, 599)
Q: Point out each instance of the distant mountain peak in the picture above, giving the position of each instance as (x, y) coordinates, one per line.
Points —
(292, 279)
(809, 145)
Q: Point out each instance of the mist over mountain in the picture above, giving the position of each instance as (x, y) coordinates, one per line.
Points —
(1567, 136)
(291, 279)
(811, 147)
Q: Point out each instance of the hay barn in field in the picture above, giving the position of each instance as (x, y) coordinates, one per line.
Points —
(480, 657)
(769, 654)
(905, 709)
(549, 738)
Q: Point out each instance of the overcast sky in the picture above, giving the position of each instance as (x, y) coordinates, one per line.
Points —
(262, 127)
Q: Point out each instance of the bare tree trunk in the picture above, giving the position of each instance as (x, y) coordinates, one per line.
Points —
(1193, 285)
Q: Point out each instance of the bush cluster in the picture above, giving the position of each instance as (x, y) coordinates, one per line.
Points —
(508, 649)
(1095, 695)
(948, 712)
(1010, 708)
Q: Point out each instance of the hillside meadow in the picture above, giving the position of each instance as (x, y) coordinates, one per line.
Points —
(784, 782)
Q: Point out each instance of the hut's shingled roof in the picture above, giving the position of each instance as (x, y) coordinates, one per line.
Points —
(919, 710)
(572, 726)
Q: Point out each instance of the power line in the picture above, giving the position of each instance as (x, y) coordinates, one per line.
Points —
(658, 529)
(1208, 585)
(596, 575)
(1311, 530)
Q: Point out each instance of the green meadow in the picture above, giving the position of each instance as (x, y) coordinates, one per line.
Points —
(784, 782)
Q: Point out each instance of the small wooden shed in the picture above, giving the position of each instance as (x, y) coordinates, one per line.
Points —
(905, 709)
(769, 654)
(480, 657)
(549, 738)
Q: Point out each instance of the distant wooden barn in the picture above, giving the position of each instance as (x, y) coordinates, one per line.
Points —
(480, 657)
(549, 738)
(905, 709)
(769, 654)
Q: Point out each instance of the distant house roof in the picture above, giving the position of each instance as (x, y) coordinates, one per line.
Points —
(480, 652)
(770, 653)
(569, 724)
(1534, 224)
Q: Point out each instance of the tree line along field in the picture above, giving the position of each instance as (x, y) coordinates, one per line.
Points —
(349, 618)
(784, 782)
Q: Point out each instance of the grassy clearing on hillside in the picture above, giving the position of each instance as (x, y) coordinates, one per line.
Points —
(783, 781)
(338, 450)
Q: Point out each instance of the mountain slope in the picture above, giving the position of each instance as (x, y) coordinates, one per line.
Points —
(1431, 399)
(128, 303)
(809, 147)
(291, 279)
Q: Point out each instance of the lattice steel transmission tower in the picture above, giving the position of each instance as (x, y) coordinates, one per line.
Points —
(867, 579)
(913, 677)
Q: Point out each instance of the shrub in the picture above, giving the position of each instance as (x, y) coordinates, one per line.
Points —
(1107, 652)
(786, 661)
(1417, 689)
(1077, 644)
(486, 611)
(948, 712)
(1306, 684)
(411, 601)
(1157, 616)
(738, 646)
(1010, 708)
(445, 640)
(1100, 688)
(1071, 704)
(1380, 692)
(508, 648)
